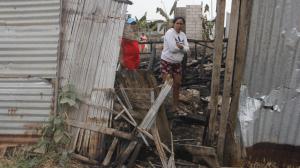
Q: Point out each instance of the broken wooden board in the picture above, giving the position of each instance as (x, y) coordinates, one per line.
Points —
(200, 154)
(150, 117)
(159, 148)
(138, 86)
(101, 129)
(110, 152)
(147, 122)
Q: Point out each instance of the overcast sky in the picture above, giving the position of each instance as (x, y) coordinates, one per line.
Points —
(139, 7)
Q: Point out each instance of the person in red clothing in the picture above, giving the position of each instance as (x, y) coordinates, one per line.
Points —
(143, 38)
(129, 52)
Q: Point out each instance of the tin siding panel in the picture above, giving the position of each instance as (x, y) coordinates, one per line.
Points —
(29, 35)
(272, 73)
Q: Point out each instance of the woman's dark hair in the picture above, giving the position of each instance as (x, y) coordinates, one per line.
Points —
(177, 18)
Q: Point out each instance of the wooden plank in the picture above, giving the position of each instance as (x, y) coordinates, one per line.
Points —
(151, 115)
(101, 129)
(134, 155)
(232, 40)
(110, 152)
(2, 151)
(117, 116)
(138, 85)
(216, 70)
(159, 148)
(125, 97)
(125, 155)
(203, 153)
(84, 159)
(127, 111)
(232, 150)
(148, 119)
(171, 162)
(151, 137)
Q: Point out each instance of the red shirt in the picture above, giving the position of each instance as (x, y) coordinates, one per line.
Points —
(131, 54)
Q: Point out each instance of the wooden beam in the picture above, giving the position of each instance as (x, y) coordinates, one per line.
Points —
(171, 162)
(84, 159)
(201, 153)
(134, 155)
(2, 151)
(215, 84)
(110, 152)
(151, 114)
(126, 111)
(126, 153)
(232, 41)
(148, 120)
(101, 129)
(159, 148)
(232, 150)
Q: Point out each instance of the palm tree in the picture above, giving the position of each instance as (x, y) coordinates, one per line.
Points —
(207, 25)
(142, 22)
(167, 23)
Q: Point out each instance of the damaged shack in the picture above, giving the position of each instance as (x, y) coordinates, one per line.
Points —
(59, 71)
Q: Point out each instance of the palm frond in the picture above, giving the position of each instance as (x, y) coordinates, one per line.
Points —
(162, 13)
(163, 26)
(143, 18)
(173, 7)
(206, 8)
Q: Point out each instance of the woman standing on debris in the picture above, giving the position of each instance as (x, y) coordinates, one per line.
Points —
(175, 46)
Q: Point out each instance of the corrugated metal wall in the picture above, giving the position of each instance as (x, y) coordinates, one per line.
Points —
(270, 98)
(92, 31)
(29, 35)
(29, 31)
(25, 104)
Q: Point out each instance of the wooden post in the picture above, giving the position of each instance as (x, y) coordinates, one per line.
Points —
(216, 70)
(184, 62)
(196, 57)
(234, 20)
(232, 150)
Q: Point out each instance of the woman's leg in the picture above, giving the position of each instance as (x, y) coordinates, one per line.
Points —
(176, 88)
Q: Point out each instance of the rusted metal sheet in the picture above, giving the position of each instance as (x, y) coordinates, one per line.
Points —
(29, 40)
(92, 31)
(269, 102)
(29, 35)
(25, 105)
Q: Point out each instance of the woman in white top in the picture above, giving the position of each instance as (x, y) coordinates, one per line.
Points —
(175, 46)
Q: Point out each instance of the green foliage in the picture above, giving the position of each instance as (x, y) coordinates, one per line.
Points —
(142, 22)
(68, 96)
(173, 7)
(206, 8)
(207, 26)
(162, 13)
(54, 136)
